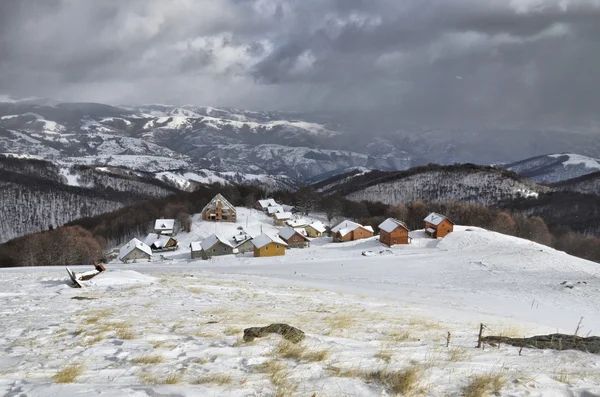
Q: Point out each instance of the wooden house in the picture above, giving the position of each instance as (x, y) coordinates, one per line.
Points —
(392, 232)
(281, 217)
(296, 223)
(263, 205)
(134, 250)
(268, 246)
(438, 226)
(164, 227)
(196, 249)
(219, 210)
(159, 242)
(214, 245)
(350, 231)
(315, 229)
(271, 211)
(294, 237)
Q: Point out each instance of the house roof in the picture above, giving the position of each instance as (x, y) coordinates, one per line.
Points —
(241, 237)
(435, 219)
(215, 200)
(346, 225)
(159, 241)
(296, 222)
(318, 226)
(275, 209)
(391, 224)
(263, 240)
(287, 232)
(196, 246)
(267, 203)
(132, 245)
(164, 224)
(213, 239)
(283, 215)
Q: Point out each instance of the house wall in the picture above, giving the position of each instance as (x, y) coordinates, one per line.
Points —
(219, 249)
(397, 236)
(361, 233)
(220, 214)
(444, 228)
(196, 254)
(312, 232)
(135, 255)
(270, 250)
(297, 241)
(245, 247)
(339, 239)
(279, 222)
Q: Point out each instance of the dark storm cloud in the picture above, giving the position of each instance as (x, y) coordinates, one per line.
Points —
(497, 61)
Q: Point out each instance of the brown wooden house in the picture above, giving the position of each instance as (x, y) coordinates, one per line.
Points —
(438, 226)
(219, 210)
(350, 231)
(393, 232)
(294, 238)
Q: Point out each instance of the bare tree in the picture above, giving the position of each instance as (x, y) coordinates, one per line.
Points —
(332, 208)
(504, 223)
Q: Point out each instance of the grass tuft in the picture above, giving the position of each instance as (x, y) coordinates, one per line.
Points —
(483, 385)
(68, 374)
(299, 352)
(149, 378)
(148, 359)
(215, 379)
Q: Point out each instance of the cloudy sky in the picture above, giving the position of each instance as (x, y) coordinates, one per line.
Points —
(490, 60)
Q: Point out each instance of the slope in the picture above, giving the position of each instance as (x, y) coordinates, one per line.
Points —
(553, 168)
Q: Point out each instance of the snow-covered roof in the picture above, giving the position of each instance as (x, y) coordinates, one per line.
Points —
(390, 224)
(214, 202)
(267, 203)
(346, 225)
(283, 215)
(241, 237)
(263, 239)
(274, 210)
(369, 228)
(196, 246)
(435, 219)
(287, 208)
(164, 224)
(318, 226)
(430, 230)
(151, 238)
(296, 222)
(287, 232)
(213, 239)
(132, 245)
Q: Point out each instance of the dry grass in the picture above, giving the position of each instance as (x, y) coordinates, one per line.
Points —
(232, 331)
(196, 290)
(68, 374)
(399, 382)
(92, 341)
(457, 354)
(385, 355)
(340, 321)
(215, 379)
(148, 359)
(279, 376)
(483, 385)
(123, 331)
(399, 336)
(299, 352)
(149, 378)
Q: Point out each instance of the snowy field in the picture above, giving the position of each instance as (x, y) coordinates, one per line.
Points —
(376, 325)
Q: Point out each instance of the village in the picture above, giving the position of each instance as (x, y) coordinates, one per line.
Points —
(288, 230)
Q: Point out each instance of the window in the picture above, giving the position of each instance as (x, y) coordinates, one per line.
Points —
(266, 247)
(214, 250)
(295, 238)
(277, 246)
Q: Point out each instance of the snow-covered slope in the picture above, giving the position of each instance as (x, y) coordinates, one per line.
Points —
(390, 311)
(555, 167)
(467, 183)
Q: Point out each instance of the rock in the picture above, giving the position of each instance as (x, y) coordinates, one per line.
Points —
(553, 341)
(287, 331)
(83, 298)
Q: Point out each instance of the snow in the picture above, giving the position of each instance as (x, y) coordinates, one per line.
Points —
(263, 239)
(275, 210)
(346, 226)
(389, 310)
(390, 224)
(283, 215)
(8, 117)
(164, 225)
(577, 159)
(71, 177)
(287, 232)
(318, 226)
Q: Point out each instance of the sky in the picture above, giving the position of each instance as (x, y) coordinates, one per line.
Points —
(493, 61)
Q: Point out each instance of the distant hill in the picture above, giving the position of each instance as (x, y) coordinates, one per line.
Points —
(467, 183)
(553, 168)
(589, 183)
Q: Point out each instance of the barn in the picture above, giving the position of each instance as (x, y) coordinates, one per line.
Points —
(294, 237)
(219, 210)
(392, 232)
(351, 231)
(437, 225)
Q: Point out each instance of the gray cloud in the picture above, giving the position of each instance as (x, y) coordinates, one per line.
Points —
(501, 62)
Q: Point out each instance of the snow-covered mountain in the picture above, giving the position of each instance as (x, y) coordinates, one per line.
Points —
(555, 167)
(466, 183)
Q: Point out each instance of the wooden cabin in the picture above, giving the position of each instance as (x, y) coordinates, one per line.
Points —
(219, 210)
(350, 231)
(393, 232)
(164, 227)
(294, 237)
(214, 245)
(438, 226)
(159, 242)
(268, 246)
(315, 229)
(135, 250)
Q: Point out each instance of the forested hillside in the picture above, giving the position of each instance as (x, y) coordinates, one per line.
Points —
(589, 183)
